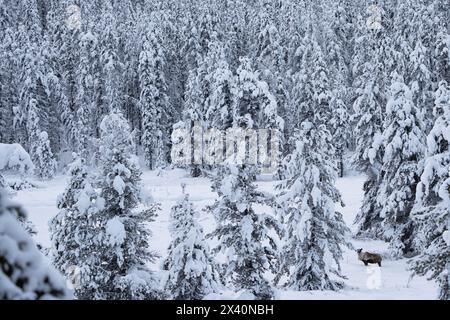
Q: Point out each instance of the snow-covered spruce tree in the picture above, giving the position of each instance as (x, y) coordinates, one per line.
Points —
(192, 273)
(314, 231)
(24, 272)
(368, 153)
(75, 232)
(32, 125)
(372, 66)
(74, 58)
(403, 138)
(339, 42)
(44, 160)
(88, 93)
(271, 60)
(432, 209)
(270, 55)
(193, 109)
(124, 251)
(312, 91)
(219, 103)
(245, 237)
(200, 108)
(255, 106)
(110, 62)
(316, 99)
(340, 127)
(30, 73)
(313, 97)
(154, 102)
(421, 84)
(442, 55)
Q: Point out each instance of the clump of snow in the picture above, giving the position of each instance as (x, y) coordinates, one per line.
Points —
(116, 231)
(376, 145)
(84, 202)
(247, 228)
(119, 185)
(43, 135)
(227, 185)
(14, 157)
(446, 236)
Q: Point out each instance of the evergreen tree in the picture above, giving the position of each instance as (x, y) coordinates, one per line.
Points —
(255, 106)
(315, 232)
(221, 85)
(31, 70)
(109, 58)
(87, 96)
(271, 61)
(220, 101)
(373, 65)
(312, 95)
(154, 103)
(192, 274)
(369, 150)
(124, 249)
(340, 127)
(193, 110)
(403, 138)
(44, 160)
(75, 233)
(421, 84)
(242, 233)
(431, 212)
(441, 55)
(33, 129)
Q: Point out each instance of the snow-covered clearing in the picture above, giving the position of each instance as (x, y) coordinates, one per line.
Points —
(391, 281)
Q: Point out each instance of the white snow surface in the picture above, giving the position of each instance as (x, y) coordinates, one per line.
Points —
(391, 281)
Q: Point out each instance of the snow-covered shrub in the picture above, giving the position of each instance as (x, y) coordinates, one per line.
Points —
(245, 237)
(14, 157)
(21, 184)
(24, 272)
(44, 159)
(192, 273)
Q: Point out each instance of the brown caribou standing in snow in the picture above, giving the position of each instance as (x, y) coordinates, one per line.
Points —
(368, 257)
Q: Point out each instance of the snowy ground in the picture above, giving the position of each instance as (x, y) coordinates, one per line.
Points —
(389, 282)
